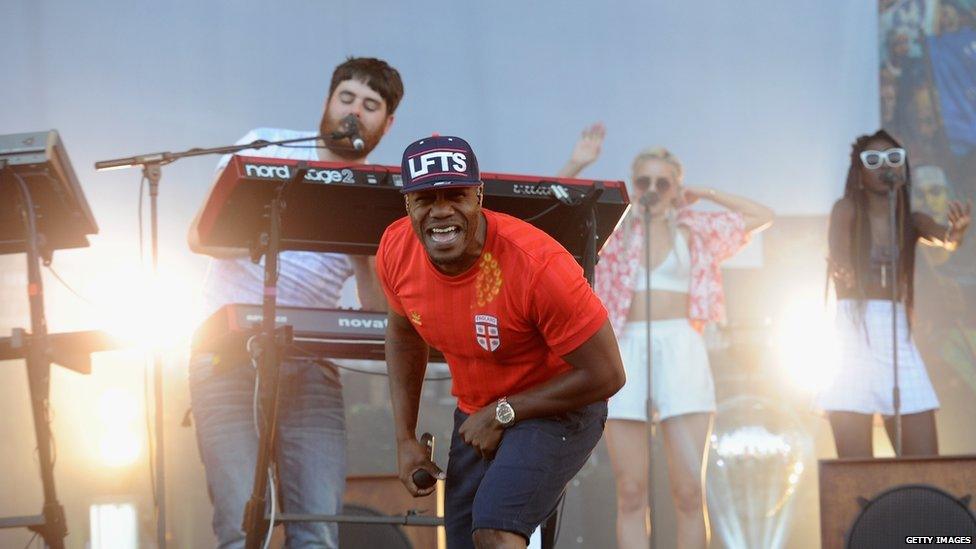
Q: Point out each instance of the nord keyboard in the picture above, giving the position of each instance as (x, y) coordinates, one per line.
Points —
(345, 208)
(317, 333)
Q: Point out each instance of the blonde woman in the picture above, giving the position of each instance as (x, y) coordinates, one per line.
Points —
(687, 247)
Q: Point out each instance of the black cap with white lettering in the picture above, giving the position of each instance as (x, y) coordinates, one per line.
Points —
(439, 161)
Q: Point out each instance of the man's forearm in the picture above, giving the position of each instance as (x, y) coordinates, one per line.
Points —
(368, 289)
(571, 169)
(406, 364)
(597, 374)
(565, 392)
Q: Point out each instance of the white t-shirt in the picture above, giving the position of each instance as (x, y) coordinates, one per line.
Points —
(306, 279)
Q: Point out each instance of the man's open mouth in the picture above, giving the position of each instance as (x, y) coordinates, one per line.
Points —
(447, 234)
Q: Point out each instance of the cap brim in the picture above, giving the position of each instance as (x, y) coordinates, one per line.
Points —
(441, 185)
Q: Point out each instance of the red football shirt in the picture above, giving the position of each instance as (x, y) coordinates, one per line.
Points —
(504, 323)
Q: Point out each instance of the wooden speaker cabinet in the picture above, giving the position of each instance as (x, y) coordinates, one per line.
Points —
(933, 488)
(386, 494)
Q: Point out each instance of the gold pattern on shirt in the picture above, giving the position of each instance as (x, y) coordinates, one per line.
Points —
(489, 280)
(415, 318)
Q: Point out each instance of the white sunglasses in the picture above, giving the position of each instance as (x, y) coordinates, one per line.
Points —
(893, 157)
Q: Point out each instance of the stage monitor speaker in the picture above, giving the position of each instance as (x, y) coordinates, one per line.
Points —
(867, 503)
(385, 494)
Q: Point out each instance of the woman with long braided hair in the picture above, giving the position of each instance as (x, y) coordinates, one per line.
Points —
(860, 240)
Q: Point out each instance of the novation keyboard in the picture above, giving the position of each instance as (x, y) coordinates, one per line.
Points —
(345, 208)
(316, 333)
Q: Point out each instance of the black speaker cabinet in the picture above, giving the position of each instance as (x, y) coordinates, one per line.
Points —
(868, 503)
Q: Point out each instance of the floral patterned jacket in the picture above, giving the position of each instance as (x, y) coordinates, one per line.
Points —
(715, 237)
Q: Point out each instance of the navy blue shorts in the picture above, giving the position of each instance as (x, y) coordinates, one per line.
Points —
(518, 489)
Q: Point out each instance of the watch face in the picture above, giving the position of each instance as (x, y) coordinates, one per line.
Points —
(504, 413)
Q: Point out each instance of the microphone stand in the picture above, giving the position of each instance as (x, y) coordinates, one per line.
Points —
(649, 424)
(255, 525)
(151, 165)
(896, 283)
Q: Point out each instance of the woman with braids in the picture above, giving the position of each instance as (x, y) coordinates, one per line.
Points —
(860, 242)
(686, 247)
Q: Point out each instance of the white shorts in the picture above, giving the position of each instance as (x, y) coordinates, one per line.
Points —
(682, 377)
(864, 377)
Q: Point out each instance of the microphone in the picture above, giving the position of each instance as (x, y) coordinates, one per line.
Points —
(892, 179)
(649, 199)
(354, 136)
(421, 477)
(351, 124)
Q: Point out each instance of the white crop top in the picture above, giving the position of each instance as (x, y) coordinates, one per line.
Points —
(673, 274)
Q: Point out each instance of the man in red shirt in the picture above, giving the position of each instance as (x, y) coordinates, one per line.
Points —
(529, 345)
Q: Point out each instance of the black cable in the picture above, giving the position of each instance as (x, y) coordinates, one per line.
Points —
(145, 371)
(303, 146)
(295, 347)
(543, 212)
(68, 286)
(30, 238)
(31, 540)
(149, 434)
(580, 194)
(384, 374)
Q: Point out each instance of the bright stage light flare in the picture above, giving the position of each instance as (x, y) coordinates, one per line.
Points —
(119, 441)
(806, 345)
(147, 311)
(119, 447)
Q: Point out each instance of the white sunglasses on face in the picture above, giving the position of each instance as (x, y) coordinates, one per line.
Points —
(893, 157)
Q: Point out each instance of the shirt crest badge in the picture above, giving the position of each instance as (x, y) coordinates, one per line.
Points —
(486, 332)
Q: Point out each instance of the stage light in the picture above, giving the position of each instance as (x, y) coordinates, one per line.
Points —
(119, 442)
(757, 458)
(113, 526)
(805, 344)
(114, 291)
(146, 311)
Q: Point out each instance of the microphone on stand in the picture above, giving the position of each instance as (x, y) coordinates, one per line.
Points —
(649, 199)
(892, 179)
(352, 132)
(357, 140)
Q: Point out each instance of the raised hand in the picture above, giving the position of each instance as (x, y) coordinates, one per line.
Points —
(586, 150)
(960, 216)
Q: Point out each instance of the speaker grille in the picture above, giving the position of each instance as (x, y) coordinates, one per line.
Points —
(910, 510)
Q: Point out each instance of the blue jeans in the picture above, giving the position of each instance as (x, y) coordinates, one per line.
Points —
(310, 452)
